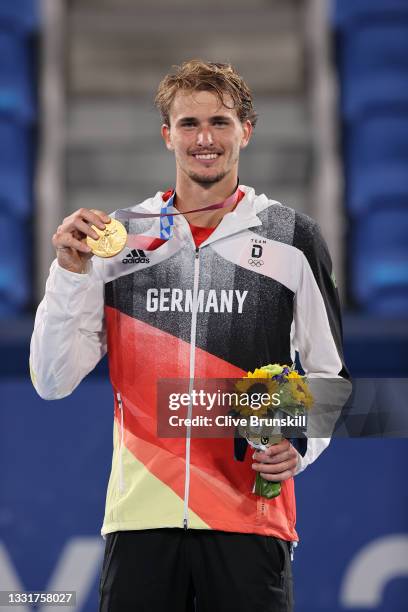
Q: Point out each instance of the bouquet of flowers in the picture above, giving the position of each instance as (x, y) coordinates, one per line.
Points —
(284, 392)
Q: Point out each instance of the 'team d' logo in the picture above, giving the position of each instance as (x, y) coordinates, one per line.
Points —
(255, 259)
(256, 251)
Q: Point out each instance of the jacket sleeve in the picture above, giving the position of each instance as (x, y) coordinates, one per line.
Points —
(69, 335)
(317, 329)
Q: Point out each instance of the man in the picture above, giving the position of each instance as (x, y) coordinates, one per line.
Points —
(190, 301)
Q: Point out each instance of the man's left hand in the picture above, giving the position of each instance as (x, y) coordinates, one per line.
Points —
(278, 462)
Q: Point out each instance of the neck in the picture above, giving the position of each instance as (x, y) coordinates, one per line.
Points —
(190, 194)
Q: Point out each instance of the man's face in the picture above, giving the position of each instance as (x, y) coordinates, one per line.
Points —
(206, 137)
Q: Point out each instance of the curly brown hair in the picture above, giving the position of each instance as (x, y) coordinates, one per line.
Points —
(198, 75)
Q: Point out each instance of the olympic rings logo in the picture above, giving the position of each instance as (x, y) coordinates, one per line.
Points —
(256, 262)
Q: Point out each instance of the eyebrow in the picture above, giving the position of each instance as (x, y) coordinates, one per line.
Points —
(220, 117)
(214, 118)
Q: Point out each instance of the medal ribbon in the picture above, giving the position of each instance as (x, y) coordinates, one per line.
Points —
(167, 217)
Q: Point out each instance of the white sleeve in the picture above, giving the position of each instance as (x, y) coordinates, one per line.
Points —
(318, 335)
(69, 335)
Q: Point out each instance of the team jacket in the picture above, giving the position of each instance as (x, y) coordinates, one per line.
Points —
(256, 291)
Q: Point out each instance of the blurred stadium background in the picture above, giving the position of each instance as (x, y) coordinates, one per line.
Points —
(78, 128)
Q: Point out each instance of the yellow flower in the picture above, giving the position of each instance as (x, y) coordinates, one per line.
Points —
(259, 373)
(247, 386)
(293, 389)
(300, 392)
(293, 374)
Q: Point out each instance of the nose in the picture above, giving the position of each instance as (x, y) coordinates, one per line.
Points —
(204, 137)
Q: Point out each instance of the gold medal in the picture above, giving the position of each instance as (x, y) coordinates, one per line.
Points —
(112, 239)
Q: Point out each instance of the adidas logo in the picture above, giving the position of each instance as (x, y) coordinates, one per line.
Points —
(136, 256)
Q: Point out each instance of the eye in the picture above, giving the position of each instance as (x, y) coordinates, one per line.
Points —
(221, 122)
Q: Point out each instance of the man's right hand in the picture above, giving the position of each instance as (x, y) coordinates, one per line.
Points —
(70, 238)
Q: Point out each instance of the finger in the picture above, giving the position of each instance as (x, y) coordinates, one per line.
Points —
(277, 478)
(275, 449)
(102, 214)
(270, 468)
(87, 230)
(283, 456)
(265, 459)
(67, 241)
(91, 217)
(94, 216)
(78, 225)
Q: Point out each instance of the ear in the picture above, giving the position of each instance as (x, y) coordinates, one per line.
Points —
(247, 129)
(165, 132)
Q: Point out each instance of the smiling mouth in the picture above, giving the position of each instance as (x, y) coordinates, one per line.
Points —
(206, 156)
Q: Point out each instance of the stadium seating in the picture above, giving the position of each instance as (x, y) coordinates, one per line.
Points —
(16, 95)
(378, 186)
(380, 280)
(372, 55)
(347, 12)
(374, 67)
(376, 154)
(380, 261)
(19, 20)
(382, 287)
(379, 138)
(15, 263)
(15, 171)
(383, 231)
(19, 15)
(375, 92)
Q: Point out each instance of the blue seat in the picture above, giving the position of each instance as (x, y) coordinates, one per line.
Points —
(376, 186)
(379, 250)
(378, 137)
(381, 280)
(373, 65)
(8, 310)
(15, 265)
(15, 169)
(384, 230)
(384, 91)
(346, 12)
(16, 80)
(376, 161)
(389, 303)
(20, 15)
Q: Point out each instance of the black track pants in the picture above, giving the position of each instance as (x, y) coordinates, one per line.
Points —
(176, 570)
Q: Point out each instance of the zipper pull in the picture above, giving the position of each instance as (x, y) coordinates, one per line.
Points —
(292, 550)
(185, 524)
(197, 252)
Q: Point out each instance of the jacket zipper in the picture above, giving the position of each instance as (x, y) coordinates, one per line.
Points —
(191, 384)
(121, 434)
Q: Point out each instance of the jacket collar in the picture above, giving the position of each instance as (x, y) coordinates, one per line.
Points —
(242, 217)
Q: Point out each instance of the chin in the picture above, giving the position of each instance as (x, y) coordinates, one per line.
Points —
(205, 179)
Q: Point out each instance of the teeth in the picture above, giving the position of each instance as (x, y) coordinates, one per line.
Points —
(207, 156)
